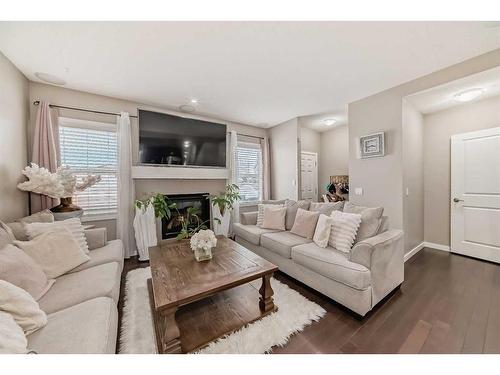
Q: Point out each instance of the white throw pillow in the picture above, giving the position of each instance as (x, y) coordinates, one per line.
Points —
(323, 229)
(23, 308)
(12, 338)
(260, 212)
(74, 225)
(274, 218)
(56, 252)
(344, 229)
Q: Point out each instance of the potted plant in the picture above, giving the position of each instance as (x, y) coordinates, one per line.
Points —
(222, 204)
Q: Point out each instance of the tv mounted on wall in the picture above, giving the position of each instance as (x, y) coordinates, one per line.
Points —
(179, 141)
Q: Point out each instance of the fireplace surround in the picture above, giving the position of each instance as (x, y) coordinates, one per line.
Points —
(170, 228)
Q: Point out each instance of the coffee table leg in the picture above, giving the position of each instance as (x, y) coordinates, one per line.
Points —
(266, 302)
(170, 342)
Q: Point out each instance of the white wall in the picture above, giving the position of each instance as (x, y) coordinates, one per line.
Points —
(13, 138)
(334, 158)
(438, 129)
(413, 176)
(284, 139)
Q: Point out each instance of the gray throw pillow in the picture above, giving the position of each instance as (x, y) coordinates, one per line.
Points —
(371, 219)
(305, 223)
(291, 211)
(326, 208)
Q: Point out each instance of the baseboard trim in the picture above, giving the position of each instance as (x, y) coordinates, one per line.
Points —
(413, 251)
(436, 246)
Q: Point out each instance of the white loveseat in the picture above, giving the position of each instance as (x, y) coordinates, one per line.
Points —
(358, 280)
(81, 306)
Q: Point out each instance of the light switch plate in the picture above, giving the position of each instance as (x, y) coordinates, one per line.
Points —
(358, 191)
(407, 191)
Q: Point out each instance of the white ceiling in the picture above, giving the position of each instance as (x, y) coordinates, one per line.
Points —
(316, 122)
(442, 97)
(250, 72)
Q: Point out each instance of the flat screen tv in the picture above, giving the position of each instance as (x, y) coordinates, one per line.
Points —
(173, 140)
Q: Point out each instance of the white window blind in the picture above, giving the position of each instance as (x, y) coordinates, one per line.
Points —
(249, 171)
(90, 150)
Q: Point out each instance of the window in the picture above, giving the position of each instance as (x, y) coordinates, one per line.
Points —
(91, 148)
(249, 171)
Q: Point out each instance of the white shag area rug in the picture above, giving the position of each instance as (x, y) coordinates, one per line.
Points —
(295, 312)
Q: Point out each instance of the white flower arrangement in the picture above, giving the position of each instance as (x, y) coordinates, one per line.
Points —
(62, 184)
(204, 239)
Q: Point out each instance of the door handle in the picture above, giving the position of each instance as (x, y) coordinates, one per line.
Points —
(456, 200)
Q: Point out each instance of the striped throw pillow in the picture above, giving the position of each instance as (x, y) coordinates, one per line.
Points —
(344, 229)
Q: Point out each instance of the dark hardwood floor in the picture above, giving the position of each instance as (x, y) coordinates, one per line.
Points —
(447, 304)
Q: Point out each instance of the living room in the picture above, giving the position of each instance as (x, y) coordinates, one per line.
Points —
(174, 187)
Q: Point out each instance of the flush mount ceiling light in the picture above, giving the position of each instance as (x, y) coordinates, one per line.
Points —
(187, 108)
(468, 95)
(329, 121)
(49, 78)
(194, 101)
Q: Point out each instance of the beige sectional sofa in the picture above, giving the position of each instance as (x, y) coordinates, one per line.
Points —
(358, 280)
(81, 306)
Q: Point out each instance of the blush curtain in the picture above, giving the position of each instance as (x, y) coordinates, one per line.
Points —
(45, 151)
(266, 171)
(126, 188)
(233, 144)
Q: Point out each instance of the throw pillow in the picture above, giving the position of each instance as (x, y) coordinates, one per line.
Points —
(305, 223)
(344, 229)
(18, 227)
(6, 235)
(260, 212)
(323, 229)
(23, 308)
(74, 225)
(19, 269)
(326, 208)
(56, 252)
(291, 211)
(274, 218)
(371, 219)
(12, 338)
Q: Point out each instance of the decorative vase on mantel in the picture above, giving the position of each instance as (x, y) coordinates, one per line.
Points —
(66, 210)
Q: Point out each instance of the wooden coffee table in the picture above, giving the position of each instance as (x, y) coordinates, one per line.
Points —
(194, 303)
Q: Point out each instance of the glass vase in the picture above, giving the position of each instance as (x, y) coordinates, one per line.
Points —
(201, 254)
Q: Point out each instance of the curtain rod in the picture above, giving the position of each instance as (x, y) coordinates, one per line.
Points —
(247, 135)
(37, 102)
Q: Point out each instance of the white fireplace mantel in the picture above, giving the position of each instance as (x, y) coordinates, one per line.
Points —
(178, 173)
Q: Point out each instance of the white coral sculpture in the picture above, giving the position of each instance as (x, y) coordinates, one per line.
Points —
(62, 184)
(204, 239)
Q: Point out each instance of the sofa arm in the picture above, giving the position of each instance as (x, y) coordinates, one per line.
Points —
(96, 237)
(383, 254)
(248, 218)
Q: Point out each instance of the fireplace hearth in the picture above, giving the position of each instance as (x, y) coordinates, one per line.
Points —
(170, 228)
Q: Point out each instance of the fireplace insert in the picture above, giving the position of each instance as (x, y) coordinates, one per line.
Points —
(170, 228)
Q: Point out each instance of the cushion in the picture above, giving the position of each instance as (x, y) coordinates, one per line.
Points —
(250, 233)
(23, 308)
(19, 269)
(6, 235)
(323, 229)
(74, 225)
(89, 327)
(291, 211)
(111, 252)
(344, 229)
(371, 219)
(305, 223)
(274, 217)
(12, 338)
(260, 212)
(56, 252)
(326, 208)
(77, 287)
(18, 227)
(282, 242)
(332, 264)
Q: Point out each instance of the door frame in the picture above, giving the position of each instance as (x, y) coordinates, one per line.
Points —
(315, 174)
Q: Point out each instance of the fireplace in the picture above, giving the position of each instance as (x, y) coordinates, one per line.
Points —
(170, 228)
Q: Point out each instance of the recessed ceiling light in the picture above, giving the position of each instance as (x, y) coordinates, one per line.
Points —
(187, 108)
(468, 95)
(49, 78)
(194, 101)
(329, 121)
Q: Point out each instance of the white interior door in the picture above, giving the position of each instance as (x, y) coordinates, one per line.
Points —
(309, 175)
(475, 194)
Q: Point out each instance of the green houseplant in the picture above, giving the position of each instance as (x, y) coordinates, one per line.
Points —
(222, 204)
